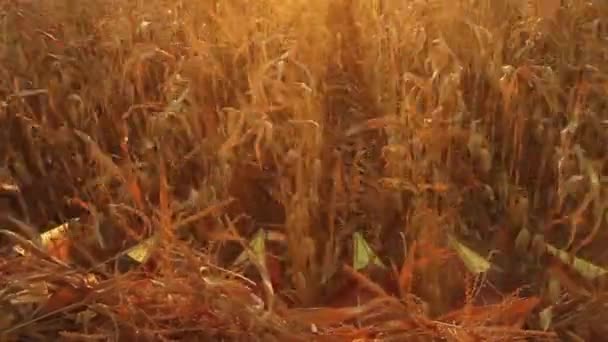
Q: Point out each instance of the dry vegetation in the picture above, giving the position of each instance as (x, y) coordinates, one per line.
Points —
(464, 143)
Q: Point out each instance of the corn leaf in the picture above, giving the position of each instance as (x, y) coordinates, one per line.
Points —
(257, 246)
(142, 251)
(585, 268)
(475, 263)
(546, 318)
(363, 254)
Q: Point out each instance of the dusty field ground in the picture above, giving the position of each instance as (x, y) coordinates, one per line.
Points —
(286, 170)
